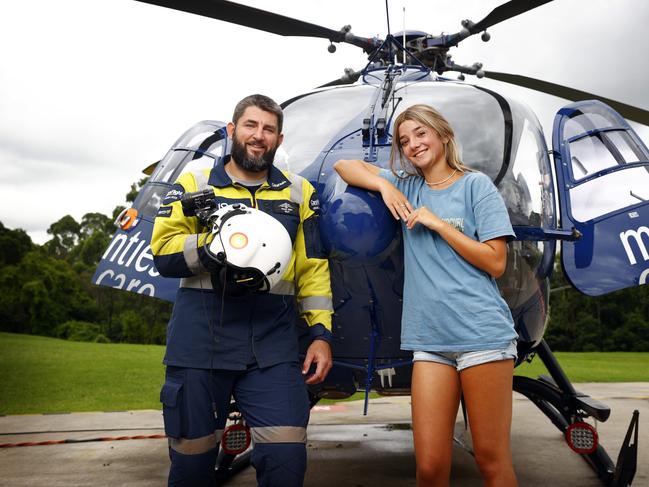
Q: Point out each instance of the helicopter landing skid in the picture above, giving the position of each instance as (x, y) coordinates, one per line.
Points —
(556, 397)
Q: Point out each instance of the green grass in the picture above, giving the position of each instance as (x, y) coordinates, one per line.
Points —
(47, 375)
(595, 366)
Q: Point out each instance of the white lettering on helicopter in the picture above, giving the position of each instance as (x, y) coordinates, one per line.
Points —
(643, 277)
(125, 254)
(625, 237)
(133, 285)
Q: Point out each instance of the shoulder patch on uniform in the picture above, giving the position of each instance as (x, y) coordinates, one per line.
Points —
(314, 203)
(174, 194)
(286, 207)
(164, 211)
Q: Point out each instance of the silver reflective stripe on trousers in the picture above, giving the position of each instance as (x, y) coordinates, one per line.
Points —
(201, 281)
(315, 302)
(196, 446)
(278, 434)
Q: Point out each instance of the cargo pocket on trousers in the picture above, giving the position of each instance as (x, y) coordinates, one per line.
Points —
(170, 397)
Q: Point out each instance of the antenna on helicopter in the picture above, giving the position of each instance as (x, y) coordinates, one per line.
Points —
(404, 35)
(387, 15)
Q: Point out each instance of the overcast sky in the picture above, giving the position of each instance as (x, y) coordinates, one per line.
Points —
(93, 91)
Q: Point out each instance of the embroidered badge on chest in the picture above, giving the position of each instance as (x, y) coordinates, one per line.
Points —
(286, 208)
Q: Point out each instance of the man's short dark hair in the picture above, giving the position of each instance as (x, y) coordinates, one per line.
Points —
(262, 102)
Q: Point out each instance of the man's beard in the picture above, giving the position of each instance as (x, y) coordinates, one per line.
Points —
(248, 162)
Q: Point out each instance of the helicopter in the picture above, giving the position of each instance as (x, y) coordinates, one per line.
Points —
(599, 178)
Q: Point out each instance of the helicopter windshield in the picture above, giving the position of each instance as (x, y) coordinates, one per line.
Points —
(196, 149)
(312, 122)
(206, 140)
(480, 119)
(500, 139)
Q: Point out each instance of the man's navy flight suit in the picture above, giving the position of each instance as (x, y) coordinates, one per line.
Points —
(249, 347)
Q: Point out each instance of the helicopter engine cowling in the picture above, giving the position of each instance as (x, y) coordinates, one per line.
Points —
(355, 225)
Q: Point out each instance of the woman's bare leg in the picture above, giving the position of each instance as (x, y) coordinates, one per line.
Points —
(487, 392)
(435, 399)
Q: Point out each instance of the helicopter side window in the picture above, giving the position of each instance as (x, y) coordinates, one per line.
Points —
(600, 151)
(588, 156)
(522, 188)
(585, 122)
(623, 143)
(610, 192)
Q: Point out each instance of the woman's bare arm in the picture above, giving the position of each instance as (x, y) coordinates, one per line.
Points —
(489, 256)
(364, 175)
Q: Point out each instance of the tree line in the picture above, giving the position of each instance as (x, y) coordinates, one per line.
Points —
(46, 290)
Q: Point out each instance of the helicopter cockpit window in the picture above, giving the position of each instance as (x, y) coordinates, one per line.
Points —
(207, 143)
(610, 192)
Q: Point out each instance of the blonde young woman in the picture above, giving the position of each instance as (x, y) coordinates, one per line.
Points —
(460, 330)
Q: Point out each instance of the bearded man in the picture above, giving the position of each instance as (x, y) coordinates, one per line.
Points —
(242, 344)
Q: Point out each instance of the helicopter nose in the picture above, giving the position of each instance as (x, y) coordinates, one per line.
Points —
(354, 223)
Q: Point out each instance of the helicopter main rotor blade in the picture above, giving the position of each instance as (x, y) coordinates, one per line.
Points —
(627, 111)
(255, 18)
(504, 12)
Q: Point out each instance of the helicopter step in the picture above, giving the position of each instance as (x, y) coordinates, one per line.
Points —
(584, 402)
(567, 409)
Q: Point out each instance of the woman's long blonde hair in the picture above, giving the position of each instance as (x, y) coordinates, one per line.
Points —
(428, 116)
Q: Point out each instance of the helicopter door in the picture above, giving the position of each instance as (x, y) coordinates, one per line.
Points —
(602, 170)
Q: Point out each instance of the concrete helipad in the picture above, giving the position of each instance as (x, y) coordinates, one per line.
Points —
(345, 447)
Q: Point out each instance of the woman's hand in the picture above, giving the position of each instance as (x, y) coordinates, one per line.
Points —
(395, 200)
(425, 217)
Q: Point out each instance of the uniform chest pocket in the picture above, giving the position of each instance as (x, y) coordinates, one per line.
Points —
(284, 211)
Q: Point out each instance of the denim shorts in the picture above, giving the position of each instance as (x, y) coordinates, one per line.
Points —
(464, 360)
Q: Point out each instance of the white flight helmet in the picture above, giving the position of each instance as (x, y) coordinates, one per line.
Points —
(254, 247)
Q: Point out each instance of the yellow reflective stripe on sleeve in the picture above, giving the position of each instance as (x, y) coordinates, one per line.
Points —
(278, 434)
(190, 252)
(196, 446)
(315, 302)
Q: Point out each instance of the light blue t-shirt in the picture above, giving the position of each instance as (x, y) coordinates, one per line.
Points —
(450, 305)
